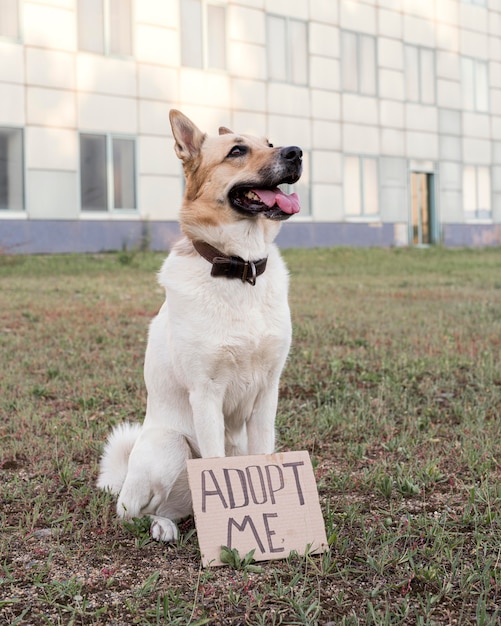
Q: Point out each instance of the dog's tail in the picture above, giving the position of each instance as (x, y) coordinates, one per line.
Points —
(115, 460)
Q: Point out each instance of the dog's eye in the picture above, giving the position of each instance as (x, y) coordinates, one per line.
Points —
(237, 151)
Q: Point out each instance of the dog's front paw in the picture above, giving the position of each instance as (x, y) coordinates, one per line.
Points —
(163, 529)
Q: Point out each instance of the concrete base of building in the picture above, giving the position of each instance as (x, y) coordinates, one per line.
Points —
(471, 235)
(70, 236)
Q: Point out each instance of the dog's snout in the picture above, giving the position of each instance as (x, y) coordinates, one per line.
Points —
(291, 153)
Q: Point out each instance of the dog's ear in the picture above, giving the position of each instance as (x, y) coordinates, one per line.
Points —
(189, 138)
(225, 131)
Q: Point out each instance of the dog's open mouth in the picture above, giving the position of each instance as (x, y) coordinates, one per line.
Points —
(271, 203)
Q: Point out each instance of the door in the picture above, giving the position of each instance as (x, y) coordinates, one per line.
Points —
(422, 208)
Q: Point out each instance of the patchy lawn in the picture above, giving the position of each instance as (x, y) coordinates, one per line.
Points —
(393, 385)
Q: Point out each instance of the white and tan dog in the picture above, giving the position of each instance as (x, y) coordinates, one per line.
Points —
(219, 343)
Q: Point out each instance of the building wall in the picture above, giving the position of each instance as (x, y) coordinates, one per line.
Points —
(404, 117)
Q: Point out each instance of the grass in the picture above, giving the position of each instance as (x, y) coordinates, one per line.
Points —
(393, 385)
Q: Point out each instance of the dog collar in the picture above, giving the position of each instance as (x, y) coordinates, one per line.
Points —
(230, 266)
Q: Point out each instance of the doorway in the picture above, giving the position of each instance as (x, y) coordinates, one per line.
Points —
(422, 208)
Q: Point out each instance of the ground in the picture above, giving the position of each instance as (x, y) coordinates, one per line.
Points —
(393, 386)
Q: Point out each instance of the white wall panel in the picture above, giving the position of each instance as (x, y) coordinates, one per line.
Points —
(164, 14)
(248, 94)
(327, 201)
(157, 83)
(107, 113)
(246, 25)
(157, 156)
(390, 23)
(159, 46)
(161, 197)
(49, 27)
(52, 195)
(106, 75)
(12, 62)
(50, 68)
(358, 16)
(247, 60)
(392, 142)
(12, 107)
(51, 107)
(51, 148)
(359, 139)
(154, 118)
(325, 105)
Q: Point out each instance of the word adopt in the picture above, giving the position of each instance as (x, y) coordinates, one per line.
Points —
(268, 503)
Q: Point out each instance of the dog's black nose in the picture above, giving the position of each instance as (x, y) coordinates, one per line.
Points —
(291, 153)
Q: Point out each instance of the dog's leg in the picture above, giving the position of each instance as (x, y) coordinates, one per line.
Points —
(156, 484)
(261, 426)
(177, 506)
(206, 403)
(163, 529)
(236, 442)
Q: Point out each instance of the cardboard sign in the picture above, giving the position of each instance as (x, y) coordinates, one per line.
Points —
(266, 502)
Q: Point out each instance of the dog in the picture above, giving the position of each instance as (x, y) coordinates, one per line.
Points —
(217, 347)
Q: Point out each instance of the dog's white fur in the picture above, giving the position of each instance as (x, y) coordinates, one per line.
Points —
(213, 361)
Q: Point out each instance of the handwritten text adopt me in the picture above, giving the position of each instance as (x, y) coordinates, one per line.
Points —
(266, 503)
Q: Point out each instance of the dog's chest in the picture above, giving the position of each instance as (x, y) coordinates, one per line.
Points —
(240, 332)
(236, 331)
(249, 358)
(222, 329)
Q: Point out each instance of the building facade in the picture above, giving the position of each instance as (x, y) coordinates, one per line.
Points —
(396, 104)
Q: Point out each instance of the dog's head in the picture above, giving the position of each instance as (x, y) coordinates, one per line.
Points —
(233, 176)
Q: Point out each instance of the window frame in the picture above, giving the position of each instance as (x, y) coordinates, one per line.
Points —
(110, 176)
(420, 50)
(106, 32)
(6, 210)
(475, 107)
(204, 29)
(288, 46)
(359, 37)
(477, 217)
(363, 215)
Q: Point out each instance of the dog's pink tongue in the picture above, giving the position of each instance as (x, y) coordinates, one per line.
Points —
(286, 203)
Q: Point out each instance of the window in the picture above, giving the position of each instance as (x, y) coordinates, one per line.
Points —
(361, 186)
(9, 19)
(475, 83)
(480, 3)
(105, 26)
(477, 193)
(287, 50)
(420, 74)
(358, 63)
(11, 169)
(107, 172)
(203, 34)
